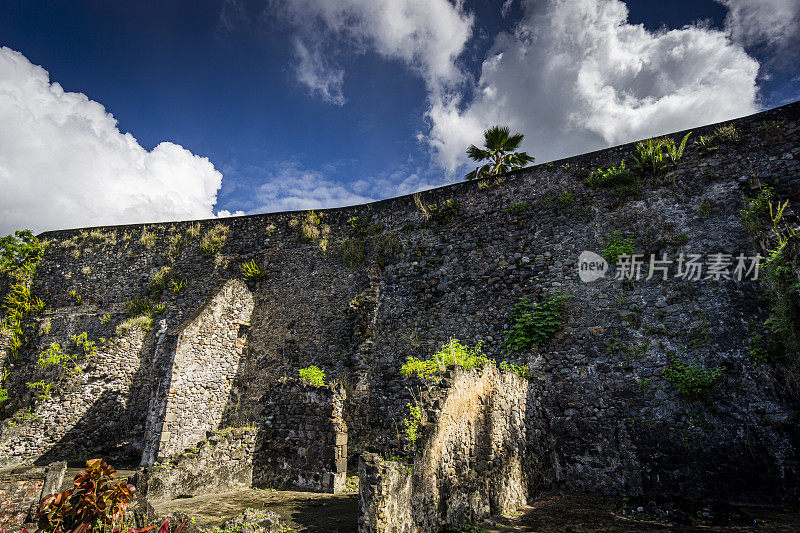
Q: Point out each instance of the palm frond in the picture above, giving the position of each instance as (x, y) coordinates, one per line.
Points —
(496, 137)
(477, 154)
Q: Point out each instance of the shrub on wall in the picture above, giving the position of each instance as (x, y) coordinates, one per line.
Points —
(252, 271)
(313, 375)
(531, 324)
(214, 239)
(452, 354)
(691, 378)
(618, 244)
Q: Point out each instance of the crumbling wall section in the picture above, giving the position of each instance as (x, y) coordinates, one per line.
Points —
(222, 462)
(302, 440)
(470, 462)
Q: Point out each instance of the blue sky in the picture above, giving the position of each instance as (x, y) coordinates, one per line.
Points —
(177, 110)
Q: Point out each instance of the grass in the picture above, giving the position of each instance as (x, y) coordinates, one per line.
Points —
(452, 354)
(214, 239)
(252, 271)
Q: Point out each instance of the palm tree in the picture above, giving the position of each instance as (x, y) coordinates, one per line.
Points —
(500, 146)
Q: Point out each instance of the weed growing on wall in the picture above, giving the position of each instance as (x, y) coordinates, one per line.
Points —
(412, 422)
(618, 244)
(691, 379)
(755, 215)
(19, 256)
(252, 271)
(521, 370)
(138, 306)
(773, 130)
(619, 178)
(766, 220)
(385, 246)
(147, 238)
(516, 209)
(214, 239)
(655, 156)
(353, 252)
(706, 145)
(313, 375)
(160, 281)
(531, 324)
(727, 134)
(313, 229)
(452, 354)
(445, 211)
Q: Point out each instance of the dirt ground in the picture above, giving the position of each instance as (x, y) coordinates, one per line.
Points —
(569, 513)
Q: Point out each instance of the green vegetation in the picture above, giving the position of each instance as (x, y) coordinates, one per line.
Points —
(521, 370)
(727, 134)
(160, 281)
(18, 249)
(516, 209)
(706, 144)
(147, 239)
(412, 422)
(252, 271)
(618, 244)
(177, 286)
(619, 178)
(214, 239)
(313, 229)
(95, 503)
(765, 219)
(385, 246)
(138, 306)
(313, 375)
(143, 322)
(452, 354)
(691, 379)
(445, 211)
(531, 324)
(353, 252)
(773, 130)
(704, 209)
(500, 152)
(654, 156)
(19, 256)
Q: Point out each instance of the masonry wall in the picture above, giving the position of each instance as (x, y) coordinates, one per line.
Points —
(363, 288)
(220, 463)
(302, 440)
(469, 462)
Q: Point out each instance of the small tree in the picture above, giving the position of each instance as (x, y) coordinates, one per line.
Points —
(500, 152)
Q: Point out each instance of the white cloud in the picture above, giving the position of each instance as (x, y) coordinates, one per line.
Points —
(64, 163)
(289, 186)
(575, 76)
(774, 24)
(312, 72)
(427, 35)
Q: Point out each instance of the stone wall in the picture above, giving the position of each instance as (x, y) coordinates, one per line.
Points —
(222, 462)
(302, 440)
(469, 462)
(357, 290)
(207, 355)
(22, 489)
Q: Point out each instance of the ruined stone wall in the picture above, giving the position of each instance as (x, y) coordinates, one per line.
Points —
(469, 463)
(220, 463)
(302, 442)
(21, 490)
(357, 290)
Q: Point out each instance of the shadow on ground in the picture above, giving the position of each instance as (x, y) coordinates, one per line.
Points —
(302, 511)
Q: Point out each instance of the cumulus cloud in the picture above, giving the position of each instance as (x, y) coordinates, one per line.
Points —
(64, 163)
(426, 35)
(576, 76)
(773, 24)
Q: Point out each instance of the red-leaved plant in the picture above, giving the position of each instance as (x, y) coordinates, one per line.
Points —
(95, 504)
